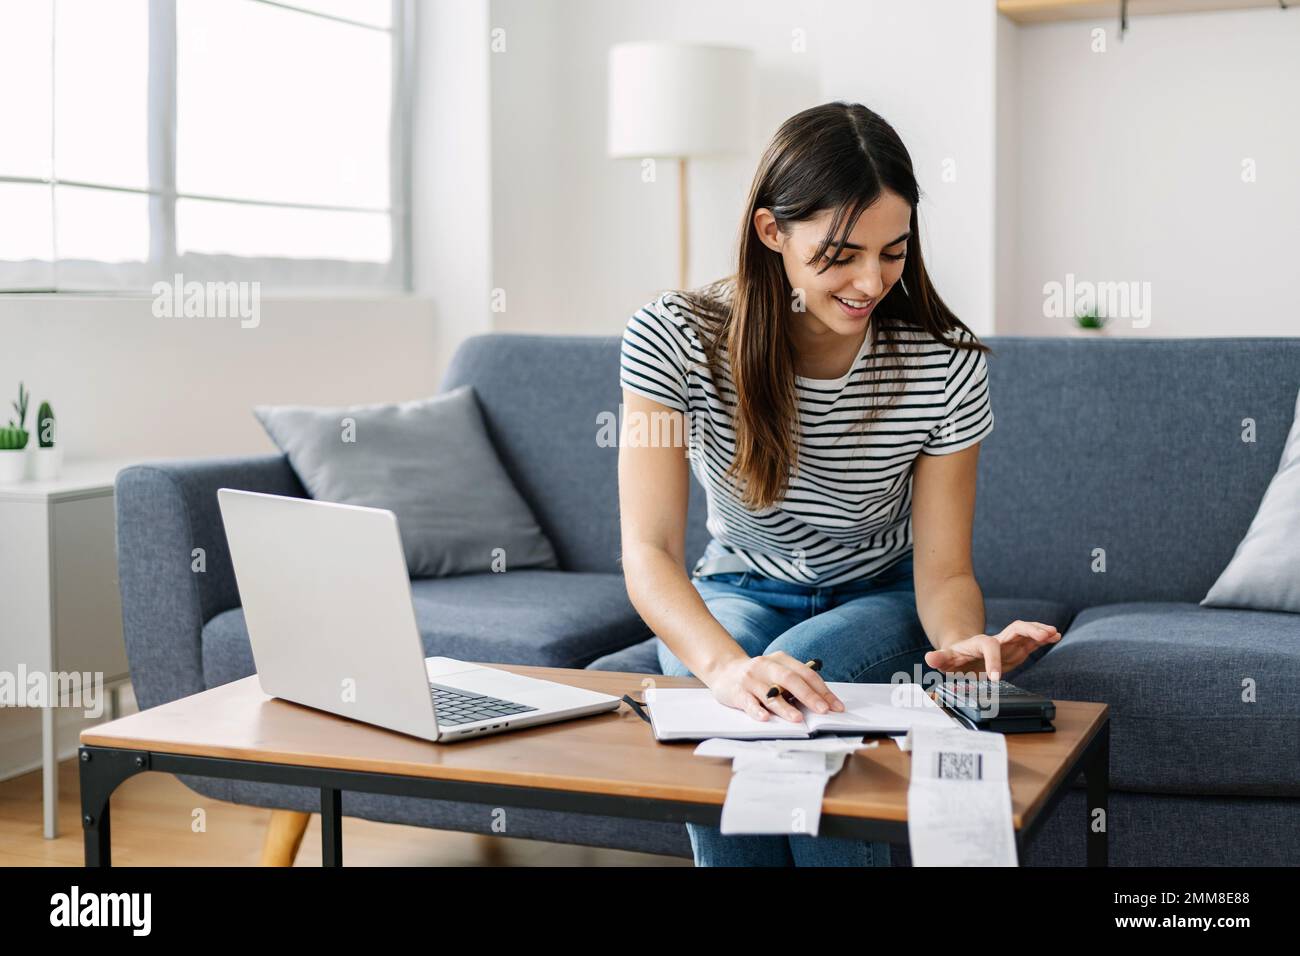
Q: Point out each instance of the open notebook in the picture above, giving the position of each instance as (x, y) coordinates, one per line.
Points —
(694, 714)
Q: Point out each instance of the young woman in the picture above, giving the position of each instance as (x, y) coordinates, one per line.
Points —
(833, 406)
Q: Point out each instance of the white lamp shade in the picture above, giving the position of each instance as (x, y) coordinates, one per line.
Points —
(679, 99)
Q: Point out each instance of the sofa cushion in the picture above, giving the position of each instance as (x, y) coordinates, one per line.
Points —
(530, 616)
(431, 463)
(1203, 700)
(1262, 574)
(544, 399)
(1072, 472)
(643, 658)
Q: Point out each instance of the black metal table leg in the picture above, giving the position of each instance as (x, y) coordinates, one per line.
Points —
(1096, 774)
(102, 771)
(331, 827)
(97, 835)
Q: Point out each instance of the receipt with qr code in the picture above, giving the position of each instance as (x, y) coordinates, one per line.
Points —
(959, 800)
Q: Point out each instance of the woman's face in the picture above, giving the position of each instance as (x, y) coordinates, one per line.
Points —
(840, 296)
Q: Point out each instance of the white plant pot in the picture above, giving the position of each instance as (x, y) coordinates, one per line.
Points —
(13, 465)
(45, 464)
(1082, 333)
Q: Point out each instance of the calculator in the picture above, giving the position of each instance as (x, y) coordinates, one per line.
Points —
(996, 706)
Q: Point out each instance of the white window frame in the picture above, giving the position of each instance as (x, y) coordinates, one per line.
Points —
(279, 275)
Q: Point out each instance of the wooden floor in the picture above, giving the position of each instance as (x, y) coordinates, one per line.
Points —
(153, 816)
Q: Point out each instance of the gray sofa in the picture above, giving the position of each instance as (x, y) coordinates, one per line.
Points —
(1132, 446)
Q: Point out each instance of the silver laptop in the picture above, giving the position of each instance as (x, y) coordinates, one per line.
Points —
(327, 601)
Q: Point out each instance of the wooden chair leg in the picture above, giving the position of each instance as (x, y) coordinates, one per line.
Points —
(491, 850)
(283, 837)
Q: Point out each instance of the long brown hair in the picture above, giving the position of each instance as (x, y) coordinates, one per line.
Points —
(841, 157)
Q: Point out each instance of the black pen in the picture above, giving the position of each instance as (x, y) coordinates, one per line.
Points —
(772, 691)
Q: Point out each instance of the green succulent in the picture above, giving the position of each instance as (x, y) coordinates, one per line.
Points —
(20, 407)
(44, 432)
(1090, 320)
(14, 437)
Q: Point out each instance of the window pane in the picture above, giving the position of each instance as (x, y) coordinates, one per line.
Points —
(25, 63)
(377, 13)
(25, 222)
(102, 91)
(277, 105)
(101, 225)
(243, 230)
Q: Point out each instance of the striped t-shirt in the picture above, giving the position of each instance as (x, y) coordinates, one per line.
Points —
(846, 514)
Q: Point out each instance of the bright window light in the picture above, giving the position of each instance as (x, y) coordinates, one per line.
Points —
(101, 92)
(262, 231)
(101, 225)
(221, 139)
(26, 64)
(276, 105)
(377, 13)
(28, 228)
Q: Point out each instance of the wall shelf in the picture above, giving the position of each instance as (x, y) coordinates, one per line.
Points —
(1046, 11)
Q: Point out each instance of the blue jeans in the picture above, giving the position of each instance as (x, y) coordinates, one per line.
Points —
(863, 632)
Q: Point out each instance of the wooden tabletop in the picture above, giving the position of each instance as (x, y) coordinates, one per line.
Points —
(611, 753)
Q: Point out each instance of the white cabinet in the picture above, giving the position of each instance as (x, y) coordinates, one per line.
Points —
(60, 613)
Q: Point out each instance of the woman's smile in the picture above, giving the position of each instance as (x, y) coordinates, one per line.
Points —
(854, 308)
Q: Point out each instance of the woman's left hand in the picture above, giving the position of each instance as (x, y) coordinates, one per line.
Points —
(998, 653)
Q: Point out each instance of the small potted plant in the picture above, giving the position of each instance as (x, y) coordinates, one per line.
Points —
(13, 442)
(1088, 324)
(47, 457)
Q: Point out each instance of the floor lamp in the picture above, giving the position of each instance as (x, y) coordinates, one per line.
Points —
(678, 101)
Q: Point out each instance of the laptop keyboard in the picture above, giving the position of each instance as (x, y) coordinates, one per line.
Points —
(458, 707)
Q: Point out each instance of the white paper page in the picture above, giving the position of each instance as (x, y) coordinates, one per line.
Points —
(958, 801)
(692, 712)
(724, 747)
(835, 762)
(795, 761)
(880, 707)
(761, 801)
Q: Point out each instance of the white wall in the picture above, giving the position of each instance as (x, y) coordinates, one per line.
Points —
(928, 67)
(579, 241)
(530, 187)
(1006, 214)
(125, 384)
(1130, 168)
(1123, 166)
(451, 175)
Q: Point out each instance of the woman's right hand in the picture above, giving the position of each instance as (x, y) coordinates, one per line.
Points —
(744, 682)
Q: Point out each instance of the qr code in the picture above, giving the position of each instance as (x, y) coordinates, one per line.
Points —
(956, 766)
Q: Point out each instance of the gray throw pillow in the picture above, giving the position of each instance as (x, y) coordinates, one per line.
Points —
(432, 464)
(1264, 573)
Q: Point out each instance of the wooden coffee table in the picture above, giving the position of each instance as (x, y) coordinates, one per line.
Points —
(608, 765)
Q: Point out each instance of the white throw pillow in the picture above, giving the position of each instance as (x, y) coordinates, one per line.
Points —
(1264, 573)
